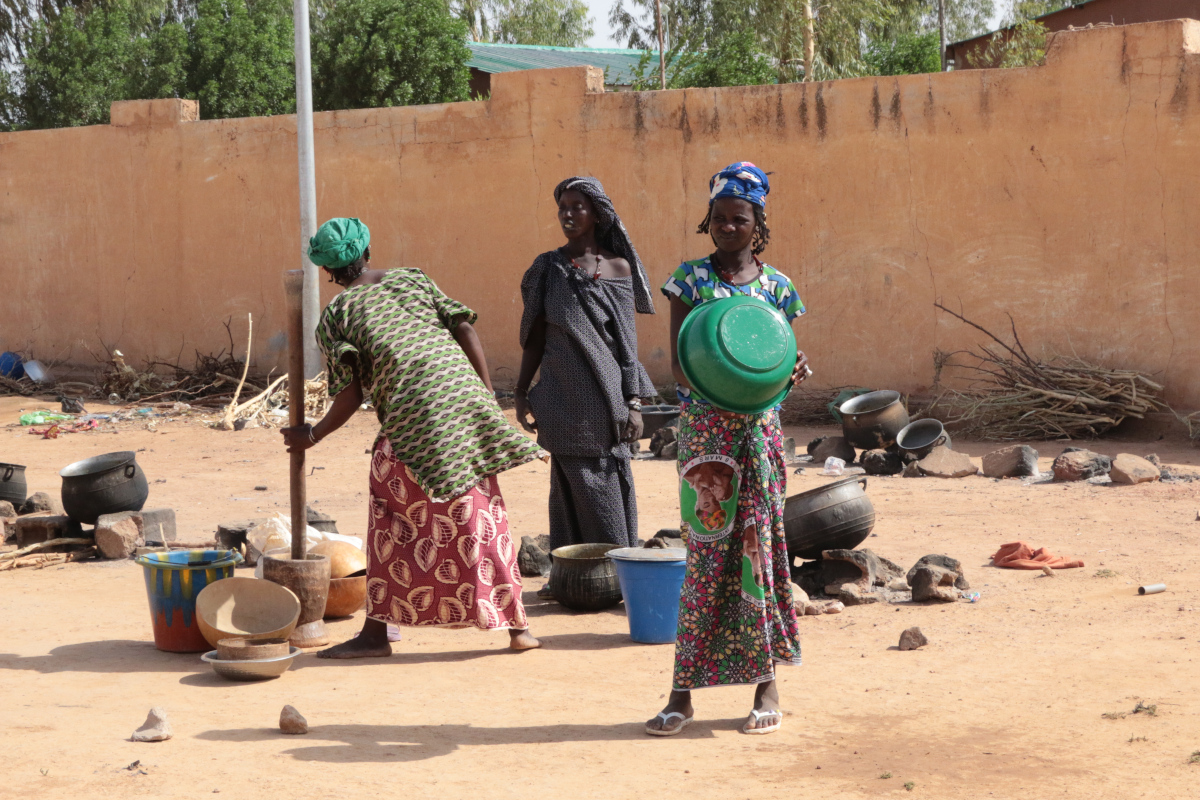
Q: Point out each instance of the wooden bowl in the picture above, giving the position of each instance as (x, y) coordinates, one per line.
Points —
(246, 608)
(346, 595)
(344, 558)
(251, 649)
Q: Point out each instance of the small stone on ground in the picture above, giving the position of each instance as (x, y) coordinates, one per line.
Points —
(156, 728)
(1130, 469)
(531, 559)
(292, 722)
(912, 638)
(946, 463)
(1017, 461)
(1075, 464)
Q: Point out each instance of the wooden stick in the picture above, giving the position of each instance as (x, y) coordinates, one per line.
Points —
(39, 545)
(294, 285)
(227, 422)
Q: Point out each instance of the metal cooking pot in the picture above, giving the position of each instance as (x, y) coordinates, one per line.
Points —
(656, 417)
(836, 516)
(920, 437)
(12, 484)
(103, 485)
(583, 578)
(872, 421)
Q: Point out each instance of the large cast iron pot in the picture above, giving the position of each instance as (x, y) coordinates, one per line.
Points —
(872, 421)
(103, 485)
(12, 484)
(583, 577)
(656, 417)
(836, 516)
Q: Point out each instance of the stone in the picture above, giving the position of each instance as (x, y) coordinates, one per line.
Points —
(799, 596)
(1017, 461)
(661, 438)
(824, 447)
(789, 449)
(232, 535)
(933, 583)
(897, 585)
(158, 525)
(532, 560)
(911, 470)
(119, 535)
(262, 487)
(836, 607)
(860, 567)
(543, 541)
(946, 463)
(1130, 469)
(663, 542)
(912, 638)
(945, 562)
(40, 501)
(812, 610)
(1075, 464)
(43, 527)
(669, 451)
(852, 595)
(882, 462)
(156, 728)
(322, 522)
(292, 722)
(6, 509)
(245, 424)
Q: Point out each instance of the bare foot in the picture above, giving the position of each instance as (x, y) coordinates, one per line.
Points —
(680, 703)
(371, 642)
(522, 640)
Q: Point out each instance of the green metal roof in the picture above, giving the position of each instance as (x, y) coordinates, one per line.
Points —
(621, 64)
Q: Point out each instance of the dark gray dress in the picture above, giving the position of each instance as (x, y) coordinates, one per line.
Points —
(589, 370)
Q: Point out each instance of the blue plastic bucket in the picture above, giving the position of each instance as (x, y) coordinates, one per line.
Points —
(651, 581)
(173, 580)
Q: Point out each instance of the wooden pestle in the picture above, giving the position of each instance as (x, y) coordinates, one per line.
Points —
(293, 282)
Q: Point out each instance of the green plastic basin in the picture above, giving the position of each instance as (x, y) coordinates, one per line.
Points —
(738, 353)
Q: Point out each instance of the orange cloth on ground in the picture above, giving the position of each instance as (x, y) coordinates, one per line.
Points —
(1018, 555)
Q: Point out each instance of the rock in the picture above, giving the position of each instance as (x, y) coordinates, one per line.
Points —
(852, 595)
(158, 525)
(232, 535)
(291, 721)
(262, 487)
(933, 583)
(799, 596)
(836, 607)
(1075, 464)
(946, 463)
(43, 527)
(6, 509)
(661, 438)
(945, 562)
(156, 728)
(669, 451)
(812, 610)
(662, 543)
(824, 447)
(543, 541)
(860, 567)
(532, 560)
(118, 538)
(1129, 469)
(897, 585)
(911, 470)
(1152, 458)
(40, 501)
(1018, 461)
(789, 449)
(882, 462)
(912, 638)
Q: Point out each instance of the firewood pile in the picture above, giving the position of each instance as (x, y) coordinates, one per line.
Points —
(1014, 396)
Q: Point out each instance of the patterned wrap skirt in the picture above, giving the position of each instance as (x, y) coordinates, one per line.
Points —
(449, 564)
(736, 619)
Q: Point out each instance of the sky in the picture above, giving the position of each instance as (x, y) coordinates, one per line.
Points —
(603, 37)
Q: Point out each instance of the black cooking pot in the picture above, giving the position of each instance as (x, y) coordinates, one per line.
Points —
(871, 421)
(103, 485)
(12, 484)
(656, 417)
(836, 516)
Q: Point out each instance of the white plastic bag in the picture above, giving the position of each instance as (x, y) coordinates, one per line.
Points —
(834, 466)
(276, 534)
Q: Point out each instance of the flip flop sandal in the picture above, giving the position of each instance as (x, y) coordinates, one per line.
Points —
(758, 715)
(666, 718)
(544, 593)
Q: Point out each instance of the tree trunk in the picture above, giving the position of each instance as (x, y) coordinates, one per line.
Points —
(809, 37)
(942, 31)
(662, 64)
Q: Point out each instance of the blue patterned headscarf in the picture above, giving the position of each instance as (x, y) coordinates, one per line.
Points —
(742, 180)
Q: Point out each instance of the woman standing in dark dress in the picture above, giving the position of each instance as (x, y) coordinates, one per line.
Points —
(578, 328)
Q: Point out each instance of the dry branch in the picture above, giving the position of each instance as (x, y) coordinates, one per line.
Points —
(40, 545)
(1014, 396)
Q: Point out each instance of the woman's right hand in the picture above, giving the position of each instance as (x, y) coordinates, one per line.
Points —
(524, 411)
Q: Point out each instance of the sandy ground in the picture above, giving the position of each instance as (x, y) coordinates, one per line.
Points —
(1005, 702)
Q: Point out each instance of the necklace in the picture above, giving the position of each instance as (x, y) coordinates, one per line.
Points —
(727, 277)
(579, 267)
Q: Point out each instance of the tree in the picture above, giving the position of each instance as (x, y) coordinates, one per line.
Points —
(241, 58)
(553, 23)
(1022, 42)
(904, 54)
(735, 60)
(369, 53)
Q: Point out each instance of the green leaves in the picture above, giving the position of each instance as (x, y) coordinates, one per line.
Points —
(904, 54)
(551, 23)
(369, 53)
(240, 58)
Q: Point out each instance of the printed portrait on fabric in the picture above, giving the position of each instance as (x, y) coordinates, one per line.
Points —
(708, 495)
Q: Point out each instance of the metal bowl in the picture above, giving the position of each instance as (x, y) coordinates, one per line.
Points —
(255, 670)
(583, 578)
(872, 421)
(920, 437)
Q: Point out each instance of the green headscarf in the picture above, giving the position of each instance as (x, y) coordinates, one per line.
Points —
(339, 243)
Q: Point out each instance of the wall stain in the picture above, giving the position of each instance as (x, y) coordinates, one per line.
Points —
(1126, 65)
(894, 110)
(804, 108)
(985, 99)
(876, 109)
(714, 123)
(822, 117)
(685, 124)
(929, 104)
(1179, 100)
(780, 116)
(639, 115)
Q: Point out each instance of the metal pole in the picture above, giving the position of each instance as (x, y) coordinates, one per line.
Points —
(942, 31)
(662, 65)
(308, 187)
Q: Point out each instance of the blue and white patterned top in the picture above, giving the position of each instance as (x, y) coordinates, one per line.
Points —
(694, 282)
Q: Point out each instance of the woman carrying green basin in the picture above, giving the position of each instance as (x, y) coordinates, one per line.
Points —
(736, 620)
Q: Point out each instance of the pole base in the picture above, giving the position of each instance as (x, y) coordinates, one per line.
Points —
(312, 634)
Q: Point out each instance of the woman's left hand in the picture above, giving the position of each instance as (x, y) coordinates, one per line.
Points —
(299, 438)
(801, 371)
(634, 427)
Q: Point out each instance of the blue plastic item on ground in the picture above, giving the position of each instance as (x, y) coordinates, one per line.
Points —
(12, 365)
(651, 581)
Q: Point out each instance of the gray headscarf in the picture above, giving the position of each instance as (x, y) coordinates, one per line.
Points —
(612, 236)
